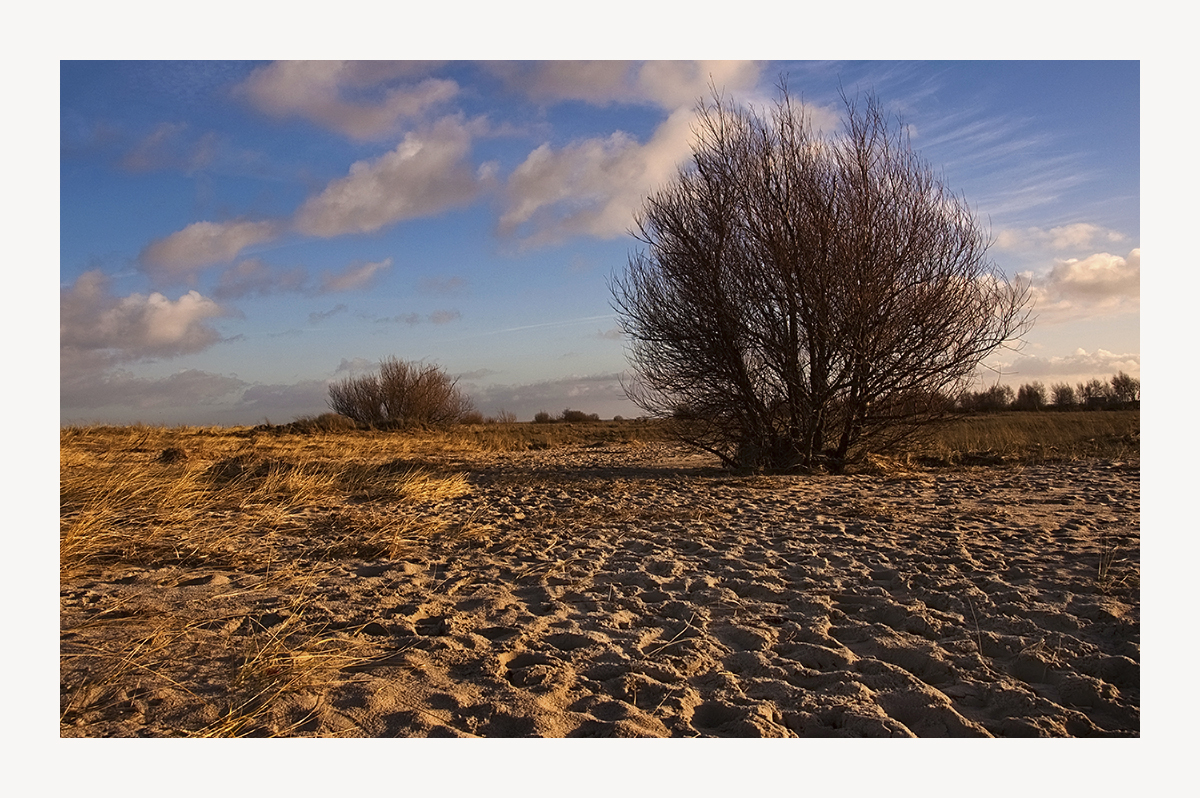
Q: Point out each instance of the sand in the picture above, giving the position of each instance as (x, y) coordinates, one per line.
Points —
(635, 590)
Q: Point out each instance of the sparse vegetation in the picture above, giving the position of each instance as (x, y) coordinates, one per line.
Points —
(285, 506)
(403, 395)
(807, 298)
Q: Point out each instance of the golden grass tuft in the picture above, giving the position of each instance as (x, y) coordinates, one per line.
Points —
(279, 510)
(231, 497)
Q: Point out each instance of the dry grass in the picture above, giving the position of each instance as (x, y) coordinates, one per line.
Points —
(281, 508)
(199, 501)
(1030, 438)
(206, 497)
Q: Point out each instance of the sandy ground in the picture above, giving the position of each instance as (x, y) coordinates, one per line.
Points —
(636, 590)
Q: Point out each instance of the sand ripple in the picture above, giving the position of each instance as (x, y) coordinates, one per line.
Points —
(638, 591)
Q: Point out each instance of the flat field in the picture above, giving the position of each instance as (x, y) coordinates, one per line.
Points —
(598, 580)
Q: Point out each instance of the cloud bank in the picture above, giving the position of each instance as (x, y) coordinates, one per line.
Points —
(1076, 289)
(427, 173)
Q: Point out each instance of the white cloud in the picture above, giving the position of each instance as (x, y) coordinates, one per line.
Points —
(355, 366)
(353, 277)
(1100, 284)
(134, 327)
(202, 244)
(1080, 365)
(425, 175)
(593, 186)
(1079, 236)
(323, 92)
(667, 84)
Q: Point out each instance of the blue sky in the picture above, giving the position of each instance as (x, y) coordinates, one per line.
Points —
(236, 235)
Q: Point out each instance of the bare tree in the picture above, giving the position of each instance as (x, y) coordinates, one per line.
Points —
(802, 298)
(1094, 393)
(403, 394)
(1064, 395)
(1126, 389)
(1031, 396)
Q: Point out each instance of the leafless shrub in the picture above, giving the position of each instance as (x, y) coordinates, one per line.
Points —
(401, 395)
(802, 297)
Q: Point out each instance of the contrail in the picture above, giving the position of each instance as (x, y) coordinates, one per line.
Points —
(550, 324)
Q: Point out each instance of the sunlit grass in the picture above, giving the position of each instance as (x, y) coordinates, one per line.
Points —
(1033, 437)
(282, 509)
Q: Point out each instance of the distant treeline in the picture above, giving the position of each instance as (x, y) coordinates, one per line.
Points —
(569, 416)
(1119, 392)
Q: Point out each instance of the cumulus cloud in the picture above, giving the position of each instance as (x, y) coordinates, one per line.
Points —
(593, 186)
(1079, 365)
(353, 277)
(1080, 236)
(359, 99)
(1076, 288)
(667, 84)
(134, 327)
(201, 244)
(355, 365)
(426, 174)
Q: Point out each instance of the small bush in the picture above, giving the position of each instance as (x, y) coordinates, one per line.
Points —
(326, 422)
(543, 417)
(402, 395)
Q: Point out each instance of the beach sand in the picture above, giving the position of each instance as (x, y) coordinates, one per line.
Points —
(631, 590)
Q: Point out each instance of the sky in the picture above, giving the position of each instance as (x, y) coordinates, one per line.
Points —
(235, 236)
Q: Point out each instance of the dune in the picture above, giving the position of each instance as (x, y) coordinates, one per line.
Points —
(636, 590)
